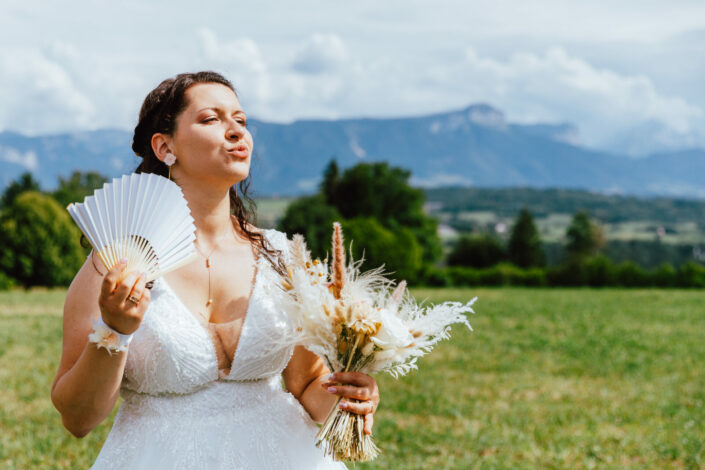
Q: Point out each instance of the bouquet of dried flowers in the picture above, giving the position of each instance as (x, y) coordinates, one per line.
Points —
(358, 322)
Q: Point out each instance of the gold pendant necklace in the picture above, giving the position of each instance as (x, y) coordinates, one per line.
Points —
(208, 268)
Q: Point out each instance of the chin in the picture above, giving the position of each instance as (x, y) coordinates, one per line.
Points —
(238, 171)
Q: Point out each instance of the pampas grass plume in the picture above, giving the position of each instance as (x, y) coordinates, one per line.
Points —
(338, 260)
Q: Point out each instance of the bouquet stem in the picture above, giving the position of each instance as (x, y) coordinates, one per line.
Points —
(342, 434)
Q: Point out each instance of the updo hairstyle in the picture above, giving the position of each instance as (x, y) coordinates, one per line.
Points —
(158, 114)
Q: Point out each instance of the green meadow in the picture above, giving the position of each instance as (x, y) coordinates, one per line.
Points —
(549, 378)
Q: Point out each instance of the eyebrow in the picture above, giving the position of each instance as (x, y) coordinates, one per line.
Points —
(215, 108)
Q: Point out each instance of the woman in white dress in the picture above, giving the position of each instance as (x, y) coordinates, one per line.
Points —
(201, 379)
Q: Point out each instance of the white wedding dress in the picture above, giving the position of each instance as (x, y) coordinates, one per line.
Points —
(178, 412)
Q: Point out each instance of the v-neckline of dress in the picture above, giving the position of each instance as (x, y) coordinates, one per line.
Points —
(206, 331)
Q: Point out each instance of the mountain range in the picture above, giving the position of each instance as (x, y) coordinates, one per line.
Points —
(474, 146)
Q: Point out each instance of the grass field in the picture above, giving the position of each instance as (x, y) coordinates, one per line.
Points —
(549, 379)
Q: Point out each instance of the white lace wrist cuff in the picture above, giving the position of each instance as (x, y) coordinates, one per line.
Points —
(105, 337)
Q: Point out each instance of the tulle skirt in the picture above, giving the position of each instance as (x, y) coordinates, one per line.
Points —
(226, 425)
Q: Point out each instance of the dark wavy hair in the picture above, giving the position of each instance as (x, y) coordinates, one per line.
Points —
(158, 114)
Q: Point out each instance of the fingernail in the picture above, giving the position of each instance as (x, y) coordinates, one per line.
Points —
(332, 389)
(329, 377)
(123, 261)
(343, 404)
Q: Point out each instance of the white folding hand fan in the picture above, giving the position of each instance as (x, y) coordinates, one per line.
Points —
(142, 217)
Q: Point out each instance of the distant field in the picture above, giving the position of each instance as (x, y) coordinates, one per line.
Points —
(550, 378)
(553, 227)
(270, 210)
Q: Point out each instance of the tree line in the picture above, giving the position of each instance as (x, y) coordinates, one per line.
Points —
(384, 222)
(485, 260)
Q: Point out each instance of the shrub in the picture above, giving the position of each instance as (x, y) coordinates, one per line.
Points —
(664, 276)
(569, 274)
(533, 277)
(630, 274)
(39, 243)
(479, 251)
(313, 218)
(691, 274)
(398, 251)
(434, 277)
(6, 282)
(502, 274)
(463, 276)
(600, 271)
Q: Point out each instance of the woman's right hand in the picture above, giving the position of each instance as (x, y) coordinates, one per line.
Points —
(118, 312)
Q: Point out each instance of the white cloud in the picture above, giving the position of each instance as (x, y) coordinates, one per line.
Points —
(555, 86)
(28, 159)
(39, 94)
(240, 60)
(322, 53)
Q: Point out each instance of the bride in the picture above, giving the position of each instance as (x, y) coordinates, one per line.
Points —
(201, 374)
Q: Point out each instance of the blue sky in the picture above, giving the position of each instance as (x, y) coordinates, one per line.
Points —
(627, 73)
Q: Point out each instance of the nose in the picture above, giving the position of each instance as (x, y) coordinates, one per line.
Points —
(235, 130)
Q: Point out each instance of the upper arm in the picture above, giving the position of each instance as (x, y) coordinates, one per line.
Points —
(303, 368)
(80, 310)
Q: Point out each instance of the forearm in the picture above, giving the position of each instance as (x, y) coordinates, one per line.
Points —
(316, 400)
(86, 393)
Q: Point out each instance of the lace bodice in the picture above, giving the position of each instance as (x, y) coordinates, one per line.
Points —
(178, 414)
(173, 352)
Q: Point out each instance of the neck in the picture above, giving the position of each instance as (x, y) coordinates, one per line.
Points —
(210, 210)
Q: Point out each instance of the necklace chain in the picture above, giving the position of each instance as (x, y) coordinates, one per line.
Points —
(208, 267)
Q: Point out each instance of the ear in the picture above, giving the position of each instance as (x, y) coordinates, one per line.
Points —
(161, 145)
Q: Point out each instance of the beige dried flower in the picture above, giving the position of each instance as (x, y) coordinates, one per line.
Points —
(338, 260)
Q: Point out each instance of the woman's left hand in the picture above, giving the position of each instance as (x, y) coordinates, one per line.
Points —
(359, 392)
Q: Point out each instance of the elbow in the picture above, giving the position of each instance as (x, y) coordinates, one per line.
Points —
(73, 422)
(79, 433)
(76, 428)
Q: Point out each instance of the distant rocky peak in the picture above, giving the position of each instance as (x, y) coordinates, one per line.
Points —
(477, 114)
(485, 115)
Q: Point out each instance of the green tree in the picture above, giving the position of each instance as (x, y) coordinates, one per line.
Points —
(398, 251)
(331, 176)
(383, 192)
(25, 182)
(39, 243)
(76, 187)
(524, 248)
(313, 218)
(477, 251)
(584, 238)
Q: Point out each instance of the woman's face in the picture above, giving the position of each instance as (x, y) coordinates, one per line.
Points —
(211, 141)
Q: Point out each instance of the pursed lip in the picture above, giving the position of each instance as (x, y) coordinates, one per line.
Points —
(241, 151)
